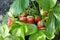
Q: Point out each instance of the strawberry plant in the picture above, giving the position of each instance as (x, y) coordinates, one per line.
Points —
(21, 20)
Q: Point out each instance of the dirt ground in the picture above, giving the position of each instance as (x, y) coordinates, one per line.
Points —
(4, 7)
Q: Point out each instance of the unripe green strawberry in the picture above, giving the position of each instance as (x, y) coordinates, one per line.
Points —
(43, 12)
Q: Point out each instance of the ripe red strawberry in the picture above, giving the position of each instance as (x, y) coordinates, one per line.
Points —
(40, 25)
(37, 19)
(10, 21)
(23, 19)
(23, 15)
(30, 19)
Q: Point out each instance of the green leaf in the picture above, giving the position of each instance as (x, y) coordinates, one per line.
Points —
(18, 24)
(46, 4)
(50, 29)
(38, 36)
(4, 20)
(4, 31)
(52, 3)
(57, 8)
(57, 15)
(32, 0)
(1, 38)
(30, 29)
(14, 26)
(18, 6)
(11, 38)
(57, 26)
(18, 32)
(56, 11)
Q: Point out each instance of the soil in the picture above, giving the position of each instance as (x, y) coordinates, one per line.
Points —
(5, 5)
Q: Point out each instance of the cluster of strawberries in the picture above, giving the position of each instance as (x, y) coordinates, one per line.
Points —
(29, 19)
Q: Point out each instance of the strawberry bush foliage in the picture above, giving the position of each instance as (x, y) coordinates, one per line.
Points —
(21, 21)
